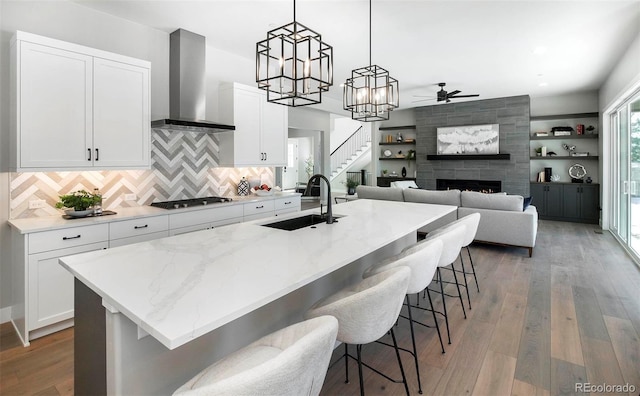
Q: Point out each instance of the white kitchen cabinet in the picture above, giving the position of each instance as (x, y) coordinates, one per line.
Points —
(74, 107)
(258, 210)
(43, 290)
(260, 137)
(138, 230)
(287, 205)
(197, 220)
(51, 289)
(121, 120)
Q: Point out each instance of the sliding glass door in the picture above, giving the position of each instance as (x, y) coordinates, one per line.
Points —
(625, 128)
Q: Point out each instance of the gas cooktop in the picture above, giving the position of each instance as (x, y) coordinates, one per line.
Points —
(186, 203)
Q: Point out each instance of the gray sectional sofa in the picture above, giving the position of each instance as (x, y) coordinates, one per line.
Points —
(504, 220)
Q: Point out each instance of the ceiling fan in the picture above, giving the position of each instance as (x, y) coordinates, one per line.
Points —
(445, 96)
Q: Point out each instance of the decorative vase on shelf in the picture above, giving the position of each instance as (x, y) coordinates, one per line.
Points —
(404, 172)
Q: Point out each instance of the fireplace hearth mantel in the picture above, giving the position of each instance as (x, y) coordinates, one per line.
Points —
(458, 157)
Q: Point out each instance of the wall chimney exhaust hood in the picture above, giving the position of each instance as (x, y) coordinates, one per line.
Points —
(187, 82)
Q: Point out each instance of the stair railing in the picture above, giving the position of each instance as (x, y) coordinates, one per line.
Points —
(344, 152)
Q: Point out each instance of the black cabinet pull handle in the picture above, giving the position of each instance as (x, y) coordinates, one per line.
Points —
(287, 203)
(260, 207)
(97, 155)
(265, 156)
(67, 238)
(89, 150)
(139, 227)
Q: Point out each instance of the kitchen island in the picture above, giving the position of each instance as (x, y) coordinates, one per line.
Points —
(151, 315)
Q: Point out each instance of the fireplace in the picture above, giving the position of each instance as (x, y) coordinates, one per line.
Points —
(486, 186)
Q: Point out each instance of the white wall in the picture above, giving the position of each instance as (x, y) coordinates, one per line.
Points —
(343, 127)
(623, 80)
(579, 102)
(623, 77)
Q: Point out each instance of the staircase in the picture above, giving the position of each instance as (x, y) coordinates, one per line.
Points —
(354, 147)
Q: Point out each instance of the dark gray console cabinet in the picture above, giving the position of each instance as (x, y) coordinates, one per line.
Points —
(547, 198)
(576, 202)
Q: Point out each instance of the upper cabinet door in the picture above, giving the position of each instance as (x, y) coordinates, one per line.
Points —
(247, 134)
(274, 133)
(121, 121)
(54, 107)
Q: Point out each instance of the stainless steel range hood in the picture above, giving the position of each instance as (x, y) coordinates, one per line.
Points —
(187, 82)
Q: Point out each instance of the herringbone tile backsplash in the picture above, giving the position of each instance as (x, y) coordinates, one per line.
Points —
(184, 165)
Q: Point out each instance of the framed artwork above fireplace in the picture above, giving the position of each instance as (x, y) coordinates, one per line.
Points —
(469, 140)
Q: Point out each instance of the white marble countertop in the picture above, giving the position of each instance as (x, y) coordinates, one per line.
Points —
(48, 223)
(179, 288)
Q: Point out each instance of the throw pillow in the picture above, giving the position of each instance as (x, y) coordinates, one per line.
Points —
(526, 203)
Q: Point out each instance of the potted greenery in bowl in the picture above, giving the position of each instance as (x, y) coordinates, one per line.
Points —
(79, 203)
(351, 186)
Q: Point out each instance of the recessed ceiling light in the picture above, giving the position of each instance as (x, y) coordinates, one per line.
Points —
(543, 84)
(539, 50)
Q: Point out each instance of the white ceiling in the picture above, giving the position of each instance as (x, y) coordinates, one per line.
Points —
(484, 47)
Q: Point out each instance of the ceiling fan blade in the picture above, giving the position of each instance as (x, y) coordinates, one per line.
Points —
(422, 100)
(450, 94)
(464, 96)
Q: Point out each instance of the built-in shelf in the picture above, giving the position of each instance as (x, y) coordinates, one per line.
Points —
(557, 157)
(397, 128)
(564, 137)
(460, 157)
(564, 116)
(395, 143)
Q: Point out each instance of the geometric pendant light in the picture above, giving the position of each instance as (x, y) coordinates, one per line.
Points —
(294, 65)
(370, 94)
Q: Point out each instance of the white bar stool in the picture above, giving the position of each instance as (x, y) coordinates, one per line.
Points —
(292, 361)
(423, 259)
(451, 237)
(366, 311)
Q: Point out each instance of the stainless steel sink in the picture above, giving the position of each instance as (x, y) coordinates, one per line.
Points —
(298, 222)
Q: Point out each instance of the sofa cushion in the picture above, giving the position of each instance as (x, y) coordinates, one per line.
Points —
(448, 197)
(472, 199)
(382, 193)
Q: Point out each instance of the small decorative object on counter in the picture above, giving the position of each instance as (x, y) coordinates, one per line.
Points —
(591, 130)
(580, 129)
(589, 180)
(79, 203)
(555, 178)
(243, 187)
(404, 172)
(97, 207)
(399, 138)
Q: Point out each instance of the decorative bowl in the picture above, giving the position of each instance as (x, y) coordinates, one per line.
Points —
(263, 193)
(78, 213)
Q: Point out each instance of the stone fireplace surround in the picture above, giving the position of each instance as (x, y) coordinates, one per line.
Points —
(511, 113)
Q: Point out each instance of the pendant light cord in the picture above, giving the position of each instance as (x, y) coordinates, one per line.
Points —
(370, 63)
(294, 11)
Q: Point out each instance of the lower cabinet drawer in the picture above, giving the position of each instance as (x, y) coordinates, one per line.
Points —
(138, 238)
(287, 203)
(67, 237)
(257, 208)
(135, 227)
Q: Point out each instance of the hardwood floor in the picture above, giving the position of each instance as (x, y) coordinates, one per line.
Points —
(570, 314)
